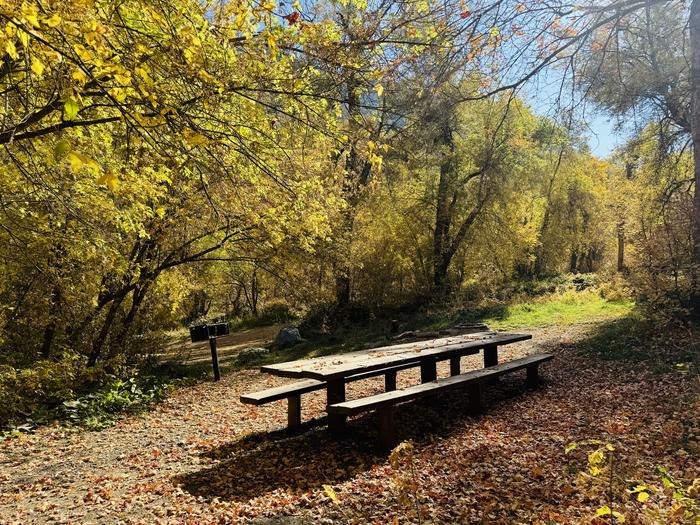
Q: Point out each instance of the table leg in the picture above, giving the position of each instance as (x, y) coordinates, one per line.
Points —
(387, 430)
(335, 393)
(532, 376)
(455, 365)
(474, 398)
(390, 381)
(294, 412)
(490, 355)
(428, 370)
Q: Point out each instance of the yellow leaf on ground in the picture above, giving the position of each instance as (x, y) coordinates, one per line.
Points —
(330, 493)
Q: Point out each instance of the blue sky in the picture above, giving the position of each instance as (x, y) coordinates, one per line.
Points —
(543, 92)
(602, 136)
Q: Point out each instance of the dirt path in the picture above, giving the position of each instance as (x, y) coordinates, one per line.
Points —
(187, 462)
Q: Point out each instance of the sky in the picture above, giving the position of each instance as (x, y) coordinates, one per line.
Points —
(603, 138)
(599, 126)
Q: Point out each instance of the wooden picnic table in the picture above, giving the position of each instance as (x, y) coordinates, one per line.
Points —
(335, 370)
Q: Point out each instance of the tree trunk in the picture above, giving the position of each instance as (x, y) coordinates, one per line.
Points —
(99, 341)
(441, 239)
(621, 247)
(694, 25)
(538, 266)
(136, 300)
(51, 326)
(357, 174)
(573, 262)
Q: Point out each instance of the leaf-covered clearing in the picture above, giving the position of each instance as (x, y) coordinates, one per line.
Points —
(202, 457)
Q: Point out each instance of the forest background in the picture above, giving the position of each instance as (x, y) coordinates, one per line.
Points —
(333, 163)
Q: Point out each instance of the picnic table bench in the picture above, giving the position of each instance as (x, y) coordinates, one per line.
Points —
(333, 372)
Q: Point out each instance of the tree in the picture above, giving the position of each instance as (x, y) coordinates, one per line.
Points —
(139, 137)
(617, 45)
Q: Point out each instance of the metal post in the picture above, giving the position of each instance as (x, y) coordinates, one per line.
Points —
(214, 358)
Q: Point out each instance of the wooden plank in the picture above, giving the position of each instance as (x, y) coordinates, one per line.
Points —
(292, 366)
(398, 347)
(282, 392)
(455, 365)
(343, 369)
(439, 354)
(310, 385)
(375, 373)
(294, 411)
(428, 370)
(297, 368)
(490, 355)
(388, 398)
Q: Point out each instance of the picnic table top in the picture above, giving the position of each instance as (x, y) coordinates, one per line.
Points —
(343, 365)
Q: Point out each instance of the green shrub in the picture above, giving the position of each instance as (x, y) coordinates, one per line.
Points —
(46, 383)
(276, 312)
(100, 409)
(56, 390)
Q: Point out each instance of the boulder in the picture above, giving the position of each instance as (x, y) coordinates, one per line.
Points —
(288, 336)
(251, 354)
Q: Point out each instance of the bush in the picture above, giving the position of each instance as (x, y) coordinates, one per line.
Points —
(46, 383)
(56, 390)
(615, 289)
(277, 312)
(100, 409)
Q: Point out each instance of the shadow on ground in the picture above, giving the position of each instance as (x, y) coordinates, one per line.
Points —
(263, 463)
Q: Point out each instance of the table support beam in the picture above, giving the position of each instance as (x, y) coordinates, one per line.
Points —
(532, 376)
(428, 370)
(294, 411)
(387, 430)
(390, 381)
(455, 368)
(490, 355)
(475, 399)
(335, 393)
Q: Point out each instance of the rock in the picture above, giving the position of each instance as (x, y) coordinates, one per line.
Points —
(253, 353)
(288, 337)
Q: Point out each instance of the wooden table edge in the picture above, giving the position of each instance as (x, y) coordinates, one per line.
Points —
(443, 355)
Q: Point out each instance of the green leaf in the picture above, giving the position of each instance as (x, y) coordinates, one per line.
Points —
(61, 148)
(70, 108)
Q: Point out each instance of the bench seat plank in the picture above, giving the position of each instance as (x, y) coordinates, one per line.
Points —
(350, 408)
(311, 385)
(282, 392)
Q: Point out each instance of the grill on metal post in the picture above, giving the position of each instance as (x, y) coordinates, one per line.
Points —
(210, 332)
